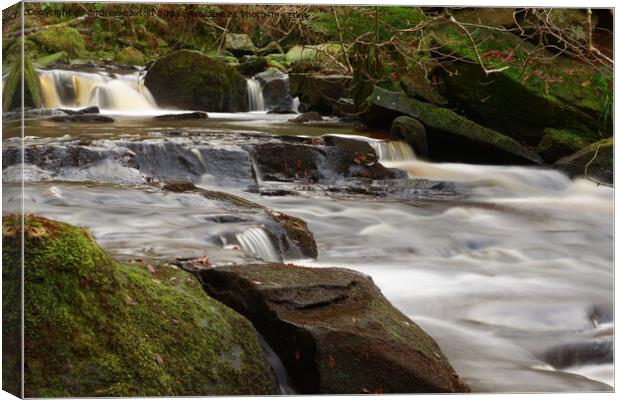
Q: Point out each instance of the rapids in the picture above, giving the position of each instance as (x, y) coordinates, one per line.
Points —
(510, 270)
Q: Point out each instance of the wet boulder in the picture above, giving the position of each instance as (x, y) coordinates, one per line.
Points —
(276, 90)
(95, 327)
(324, 159)
(451, 137)
(595, 162)
(182, 116)
(190, 80)
(411, 131)
(320, 91)
(82, 118)
(334, 330)
(85, 110)
(252, 66)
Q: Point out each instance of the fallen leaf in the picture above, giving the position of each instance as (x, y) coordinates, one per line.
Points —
(254, 283)
(156, 280)
(159, 359)
(150, 268)
(297, 355)
(202, 260)
(330, 361)
(379, 390)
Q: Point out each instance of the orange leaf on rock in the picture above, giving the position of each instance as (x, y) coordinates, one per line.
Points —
(331, 363)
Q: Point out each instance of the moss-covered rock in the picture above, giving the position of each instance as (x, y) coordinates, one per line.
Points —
(328, 55)
(451, 137)
(44, 61)
(187, 79)
(130, 56)
(60, 38)
(411, 131)
(94, 327)
(558, 143)
(239, 44)
(596, 162)
(11, 94)
(529, 93)
(253, 66)
(334, 330)
(276, 90)
(319, 91)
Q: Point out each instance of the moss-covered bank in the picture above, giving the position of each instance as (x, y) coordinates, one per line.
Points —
(94, 327)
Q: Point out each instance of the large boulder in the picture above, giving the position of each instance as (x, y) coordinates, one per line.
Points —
(320, 91)
(276, 89)
(252, 66)
(187, 79)
(451, 137)
(60, 38)
(595, 162)
(527, 92)
(333, 329)
(94, 327)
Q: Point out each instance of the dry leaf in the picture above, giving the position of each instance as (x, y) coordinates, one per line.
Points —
(297, 355)
(159, 359)
(150, 268)
(331, 363)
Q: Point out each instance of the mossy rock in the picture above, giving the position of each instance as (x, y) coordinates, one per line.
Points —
(411, 131)
(239, 44)
(60, 38)
(451, 137)
(188, 79)
(529, 93)
(130, 56)
(319, 91)
(334, 330)
(329, 55)
(595, 162)
(558, 143)
(60, 57)
(488, 16)
(11, 94)
(94, 327)
(253, 67)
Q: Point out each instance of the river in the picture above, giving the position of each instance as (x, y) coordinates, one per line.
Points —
(510, 269)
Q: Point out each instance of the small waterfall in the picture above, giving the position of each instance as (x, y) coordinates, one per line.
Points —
(255, 95)
(256, 241)
(393, 150)
(72, 89)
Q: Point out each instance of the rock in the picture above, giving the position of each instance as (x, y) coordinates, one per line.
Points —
(326, 159)
(82, 111)
(521, 101)
(451, 137)
(82, 118)
(183, 116)
(497, 17)
(418, 83)
(95, 327)
(557, 143)
(11, 93)
(411, 131)
(60, 38)
(595, 161)
(319, 91)
(307, 117)
(131, 56)
(280, 110)
(239, 44)
(276, 90)
(187, 79)
(327, 55)
(344, 107)
(43, 112)
(333, 330)
(253, 66)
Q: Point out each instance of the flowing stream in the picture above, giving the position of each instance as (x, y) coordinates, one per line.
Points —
(513, 280)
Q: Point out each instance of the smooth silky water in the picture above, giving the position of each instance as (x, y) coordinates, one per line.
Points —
(516, 284)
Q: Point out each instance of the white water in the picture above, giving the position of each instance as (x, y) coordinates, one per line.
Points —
(255, 95)
(257, 242)
(391, 150)
(110, 92)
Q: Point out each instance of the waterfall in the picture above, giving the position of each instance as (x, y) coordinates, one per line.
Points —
(392, 150)
(257, 242)
(73, 89)
(255, 95)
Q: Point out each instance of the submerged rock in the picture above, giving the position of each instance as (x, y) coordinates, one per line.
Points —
(183, 116)
(451, 137)
(94, 327)
(595, 162)
(82, 118)
(187, 79)
(333, 329)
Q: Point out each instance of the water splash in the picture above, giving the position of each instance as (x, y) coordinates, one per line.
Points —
(256, 101)
(256, 241)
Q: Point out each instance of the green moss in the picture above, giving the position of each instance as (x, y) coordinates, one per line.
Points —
(44, 61)
(11, 94)
(60, 38)
(557, 143)
(130, 56)
(596, 161)
(97, 328)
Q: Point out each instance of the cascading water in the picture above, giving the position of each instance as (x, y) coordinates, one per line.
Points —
(256, 241)
(110, 91)
(255, 95)
(393, 150)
